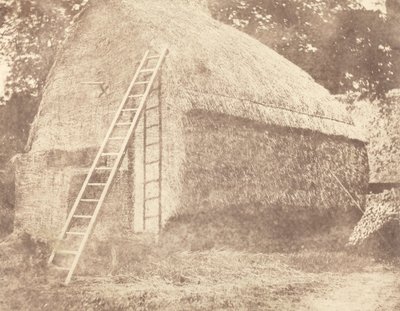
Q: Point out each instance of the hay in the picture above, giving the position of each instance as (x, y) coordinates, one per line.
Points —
(230, 160)
(45, 190)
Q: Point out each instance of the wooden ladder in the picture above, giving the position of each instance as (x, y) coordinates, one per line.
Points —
(101, 174)
(152, 168)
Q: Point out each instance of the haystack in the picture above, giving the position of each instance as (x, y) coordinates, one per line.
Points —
(246, 134)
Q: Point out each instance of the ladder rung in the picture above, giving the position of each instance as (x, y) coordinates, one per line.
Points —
(153, 180)
(103, 168)
(142, 82)
(129, 109)
(123, 124)
(66, 252)
(96, 184)
(151, 126)
(82, 216)
(151, 216)
(89, 200)
(152, 162)
(150, 108)
(152, 198)
(60, 268)
(153, 57)
(92, 82)
(136, 95)
(117, 138)
(109, 154)
(75, 233)
(152, 144)
(148, 70)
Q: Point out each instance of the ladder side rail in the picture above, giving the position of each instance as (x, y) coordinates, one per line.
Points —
(92, 168)
(144, 167)
(160, 146)
(117, 162)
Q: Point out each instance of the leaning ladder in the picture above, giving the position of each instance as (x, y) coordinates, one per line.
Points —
(131, 107)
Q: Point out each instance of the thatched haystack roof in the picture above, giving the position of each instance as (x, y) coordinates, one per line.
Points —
(210, 66)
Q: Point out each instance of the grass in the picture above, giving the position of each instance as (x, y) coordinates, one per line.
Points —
(162, 279)
(208, 280)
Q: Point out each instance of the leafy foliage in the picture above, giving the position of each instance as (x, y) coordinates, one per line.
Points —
(380, 120)
(344, 47)
(32, 30)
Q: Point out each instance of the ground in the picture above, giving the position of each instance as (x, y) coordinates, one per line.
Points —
(214, 279)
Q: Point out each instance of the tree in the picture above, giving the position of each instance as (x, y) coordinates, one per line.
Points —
(343, 46)
(31, 33)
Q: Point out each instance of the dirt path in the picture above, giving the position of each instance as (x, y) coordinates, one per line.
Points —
(359, 291)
